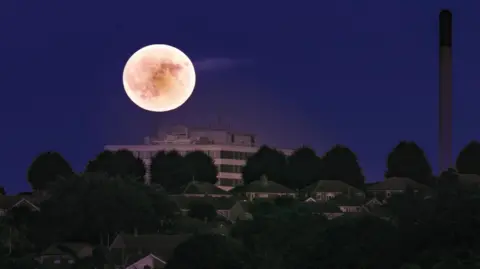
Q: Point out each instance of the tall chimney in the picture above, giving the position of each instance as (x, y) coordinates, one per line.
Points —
(445, 90)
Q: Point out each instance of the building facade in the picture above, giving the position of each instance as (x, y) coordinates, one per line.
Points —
(229, 150)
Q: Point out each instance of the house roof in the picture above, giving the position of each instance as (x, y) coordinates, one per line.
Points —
(397, 184)
(157, 262)
(348, 200)
(160, 245)
(469, 179)
(220, 203)
(266, 186)
(76, 247)
(330, 186)
(381, 212)
(321, 207)
(196, 187)
(7, 202)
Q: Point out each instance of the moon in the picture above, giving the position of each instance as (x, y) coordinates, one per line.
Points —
(159, 78)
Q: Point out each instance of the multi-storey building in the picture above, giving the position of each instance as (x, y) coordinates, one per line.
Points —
(229, 150)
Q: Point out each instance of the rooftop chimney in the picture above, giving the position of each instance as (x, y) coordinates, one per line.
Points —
(445, 90)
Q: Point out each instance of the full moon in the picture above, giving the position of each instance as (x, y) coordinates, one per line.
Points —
(159, 78)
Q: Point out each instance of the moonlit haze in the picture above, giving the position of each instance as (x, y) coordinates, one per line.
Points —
(159, 78)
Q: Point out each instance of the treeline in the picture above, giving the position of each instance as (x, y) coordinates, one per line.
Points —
(171, 170)
(109, 198)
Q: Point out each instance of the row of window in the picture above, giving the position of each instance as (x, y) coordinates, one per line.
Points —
(229, 182)
(229, 168)
(214, 154)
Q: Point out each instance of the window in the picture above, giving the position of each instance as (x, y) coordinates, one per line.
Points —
(234, 155)
(229, 168)
(229, 182)
(56, 261)
(71, 261)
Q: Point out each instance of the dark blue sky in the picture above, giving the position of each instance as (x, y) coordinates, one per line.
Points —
(359, 73)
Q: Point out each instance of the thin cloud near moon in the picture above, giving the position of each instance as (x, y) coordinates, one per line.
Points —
(216, 64)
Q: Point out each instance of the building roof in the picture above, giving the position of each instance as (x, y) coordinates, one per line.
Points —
(196, 187)
(469, 179)
(330, 186)
(397, 184)
(266, 186)
(80, 249)
(348, 200)
(160, 245)
(7, 202)
(322, 207)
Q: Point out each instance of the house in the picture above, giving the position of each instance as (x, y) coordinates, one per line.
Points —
(397, 185)
(373, 203)
(469, 180)
(227, 207)
(150, 261)
(328, 209)
(324, 190)
(264, 188)
(349, 203)
(380, 212)
(201, 189)
(64, 255)
(129, 249)
(9, 202)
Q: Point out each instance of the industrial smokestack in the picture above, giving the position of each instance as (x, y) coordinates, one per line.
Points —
(445, 90)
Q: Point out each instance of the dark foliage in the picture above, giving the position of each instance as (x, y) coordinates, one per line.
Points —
(266, 161)
(47, 168)
(468, 161)
(304, 168)
(201, 166)
(341, 164)
(122, 163)
(202, 210)
(209, 251)
(170, 170)
(407, 159)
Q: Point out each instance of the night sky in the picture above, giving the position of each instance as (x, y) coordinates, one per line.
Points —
(359, 73)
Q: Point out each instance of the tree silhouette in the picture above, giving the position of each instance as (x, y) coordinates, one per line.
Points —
(3, 191)
(304, 168)
(94, 207)
(201, 167)
(122, 163)
(169, 170)
(47, 168)
(468, 161)
(202, 210)
(209, 251)
(341, 164)
(266, 161)
(407, 159)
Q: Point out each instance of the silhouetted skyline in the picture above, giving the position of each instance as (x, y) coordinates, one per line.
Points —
(357, 73)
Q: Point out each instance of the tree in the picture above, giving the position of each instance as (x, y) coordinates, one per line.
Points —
(266, 161)
(341, 163)
(129, 166)
(94, 207)
(209, 251)
(169, 170)
(47, 168)
(202, 211)
(201, 166)
(304, 168)
(468, 161)
(3, 191)
(122, 163)
(407, 159)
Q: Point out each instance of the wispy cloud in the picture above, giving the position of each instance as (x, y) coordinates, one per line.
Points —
(215, 64)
